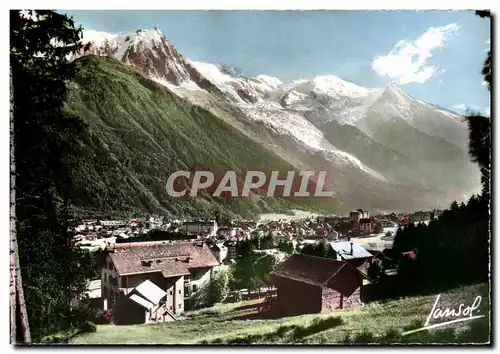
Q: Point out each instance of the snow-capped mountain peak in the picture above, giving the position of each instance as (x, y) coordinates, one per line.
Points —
(149, 52)
(396, 92)
(121, 43)
(269, 80)
(295, 108)
(333, 85)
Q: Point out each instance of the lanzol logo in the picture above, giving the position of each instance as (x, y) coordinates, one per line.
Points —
(450, 312)
(305, 183)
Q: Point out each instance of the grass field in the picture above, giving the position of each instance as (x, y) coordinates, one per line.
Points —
(378, 322)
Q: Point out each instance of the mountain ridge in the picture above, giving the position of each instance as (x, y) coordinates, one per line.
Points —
(296, 119)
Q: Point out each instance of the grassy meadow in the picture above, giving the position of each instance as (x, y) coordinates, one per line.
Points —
(378, 322)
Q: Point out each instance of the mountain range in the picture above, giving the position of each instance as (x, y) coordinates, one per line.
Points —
(151, 110)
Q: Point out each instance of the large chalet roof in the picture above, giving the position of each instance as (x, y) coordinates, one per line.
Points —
(318, 271)
(171, 259)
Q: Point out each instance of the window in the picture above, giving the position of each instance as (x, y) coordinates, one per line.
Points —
(171, 307)
(105, 277)
(170, 292)
(179, 291)
(180, 305)
(195, 288)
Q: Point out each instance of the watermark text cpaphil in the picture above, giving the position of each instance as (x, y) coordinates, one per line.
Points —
(306, 183)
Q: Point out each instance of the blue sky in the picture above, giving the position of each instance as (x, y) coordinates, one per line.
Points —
(435, 56)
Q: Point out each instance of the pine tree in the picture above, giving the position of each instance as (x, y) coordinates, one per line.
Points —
(39, 44)
(480, 129)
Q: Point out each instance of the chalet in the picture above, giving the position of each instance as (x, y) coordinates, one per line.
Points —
(307, 284)
(352, 253)
(179, 269)
(144, 304)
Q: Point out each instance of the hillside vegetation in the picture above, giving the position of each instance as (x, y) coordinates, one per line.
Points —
(378, 322)
(139, 133)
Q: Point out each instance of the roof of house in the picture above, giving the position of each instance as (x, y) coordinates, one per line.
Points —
(150, 291)
(171, 259)
(141, 301)
(318, 271)
(343, 248)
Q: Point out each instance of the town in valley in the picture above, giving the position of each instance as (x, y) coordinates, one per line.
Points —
(154, 269)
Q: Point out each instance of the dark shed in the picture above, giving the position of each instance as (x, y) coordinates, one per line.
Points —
(307, 284)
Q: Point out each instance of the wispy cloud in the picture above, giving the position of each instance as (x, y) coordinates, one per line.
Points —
(406, 62)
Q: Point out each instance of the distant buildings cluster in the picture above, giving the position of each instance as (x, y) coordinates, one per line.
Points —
(155, 269)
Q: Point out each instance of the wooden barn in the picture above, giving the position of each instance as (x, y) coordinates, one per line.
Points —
(308, 284)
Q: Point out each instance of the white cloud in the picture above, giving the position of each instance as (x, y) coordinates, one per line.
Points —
(406, 62)
(487, 111)
(97, 37)
(460, 106)
(484, 83)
